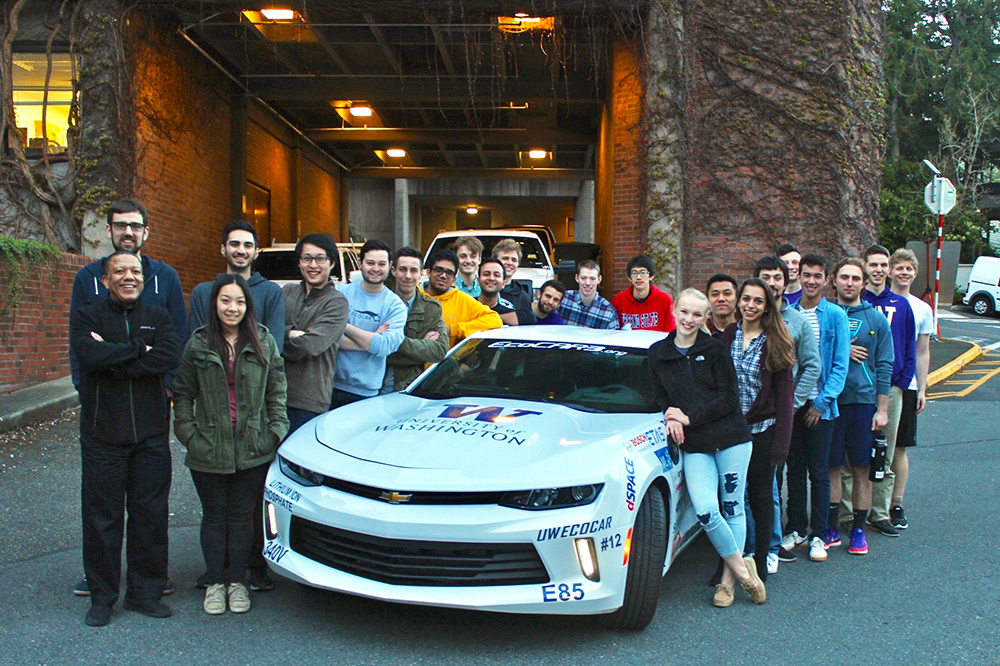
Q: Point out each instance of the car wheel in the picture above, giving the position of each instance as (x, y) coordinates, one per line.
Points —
(645, 567)
(982, 306)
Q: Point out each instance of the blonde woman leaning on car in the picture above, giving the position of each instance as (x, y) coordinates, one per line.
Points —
(229, 412)
(696, 385)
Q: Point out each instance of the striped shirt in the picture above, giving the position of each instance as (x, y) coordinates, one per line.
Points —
(813, 320)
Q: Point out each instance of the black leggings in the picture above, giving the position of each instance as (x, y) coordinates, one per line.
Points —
(227, 502)
(760, 482)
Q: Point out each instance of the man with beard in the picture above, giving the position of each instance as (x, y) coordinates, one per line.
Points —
(124, 348)
(463, 315)
(240, 246)
(375, 326)
(491, 277)
(425, 336)
(721, 292)
(549, 297)
(128, 229)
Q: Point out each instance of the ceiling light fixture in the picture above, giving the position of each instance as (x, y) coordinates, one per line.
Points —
(278, 14)
(396, 152)
(472, 210)
(538, 154)
(361, 110)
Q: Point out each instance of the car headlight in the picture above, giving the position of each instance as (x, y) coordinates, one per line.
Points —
(299, 474)
(551, 498)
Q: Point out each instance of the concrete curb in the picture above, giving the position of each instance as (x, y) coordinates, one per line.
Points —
(950, 368)
(37, 403)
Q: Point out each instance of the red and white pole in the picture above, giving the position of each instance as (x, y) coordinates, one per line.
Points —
(937, 275)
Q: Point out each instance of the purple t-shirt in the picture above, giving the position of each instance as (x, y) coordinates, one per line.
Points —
(552, 320)
(903, 327)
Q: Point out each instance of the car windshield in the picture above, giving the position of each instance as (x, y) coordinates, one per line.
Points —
(281, 265)
(588, 377)
(532, 253)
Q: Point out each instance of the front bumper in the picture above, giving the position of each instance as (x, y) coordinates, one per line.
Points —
(562, 589)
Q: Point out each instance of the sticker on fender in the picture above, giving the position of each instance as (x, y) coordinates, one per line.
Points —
(562, 592)
(274, 551)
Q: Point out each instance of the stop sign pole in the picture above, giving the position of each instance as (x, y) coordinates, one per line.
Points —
(939, 196)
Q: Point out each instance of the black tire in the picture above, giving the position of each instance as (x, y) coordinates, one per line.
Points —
(645, 567)
(982, 305)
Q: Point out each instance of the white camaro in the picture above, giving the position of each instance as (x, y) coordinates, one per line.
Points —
(527, 472)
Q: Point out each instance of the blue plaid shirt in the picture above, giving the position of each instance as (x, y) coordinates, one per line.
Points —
(747, 362)
(599, 314)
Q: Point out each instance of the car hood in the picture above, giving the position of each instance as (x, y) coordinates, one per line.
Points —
(465, 443)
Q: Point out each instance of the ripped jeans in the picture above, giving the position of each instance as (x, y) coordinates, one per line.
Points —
(715, 482)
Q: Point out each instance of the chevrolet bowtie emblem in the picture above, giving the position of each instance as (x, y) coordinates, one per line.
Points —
(392, 497)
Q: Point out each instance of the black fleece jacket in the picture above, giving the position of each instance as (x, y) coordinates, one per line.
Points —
(702, 384)
(122, 397)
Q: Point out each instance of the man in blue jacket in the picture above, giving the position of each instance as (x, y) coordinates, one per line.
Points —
(128, 229)
(863, 404)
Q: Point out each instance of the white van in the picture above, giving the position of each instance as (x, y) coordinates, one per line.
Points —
(535, 268)
(983, 292)
(277, 263)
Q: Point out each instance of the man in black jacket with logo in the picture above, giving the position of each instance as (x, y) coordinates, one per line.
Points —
(125, 349)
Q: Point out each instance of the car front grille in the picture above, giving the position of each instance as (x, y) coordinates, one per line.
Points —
(419, 497)
(408, 562)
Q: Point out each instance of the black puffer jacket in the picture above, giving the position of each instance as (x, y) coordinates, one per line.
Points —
(701, 384)
(121, 392)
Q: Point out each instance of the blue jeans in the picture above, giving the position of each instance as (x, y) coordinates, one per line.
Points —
(341, 398)
(715, 483)
(298, 418)
(809, 452)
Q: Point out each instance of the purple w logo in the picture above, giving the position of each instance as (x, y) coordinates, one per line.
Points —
(488, 414)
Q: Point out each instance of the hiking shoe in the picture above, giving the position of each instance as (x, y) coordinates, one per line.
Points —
(883, 527)
(793, 541)
(260, 581)
(239, 598)
(215, 599)
(723, 596)
(898, 518)
(817, 549)
(754, 586)
(772, 563)
(784, 555)
(831, 537)
(859, 544)
(82, 589)
(149, 608)
(97, 616)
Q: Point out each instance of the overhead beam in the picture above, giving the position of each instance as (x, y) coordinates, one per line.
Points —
(431, 172)
(440, 134)
(431, 89)
(383, 43)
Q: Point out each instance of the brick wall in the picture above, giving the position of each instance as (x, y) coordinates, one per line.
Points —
(34, 339)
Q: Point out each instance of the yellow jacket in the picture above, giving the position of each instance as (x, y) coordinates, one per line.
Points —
(465, 315)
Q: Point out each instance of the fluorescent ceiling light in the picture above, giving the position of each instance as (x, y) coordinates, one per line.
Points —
(538, 154)
(278, 14)
(472, 210)
(361, 110)
(396, 152)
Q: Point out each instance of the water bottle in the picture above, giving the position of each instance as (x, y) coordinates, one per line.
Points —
(876, 468)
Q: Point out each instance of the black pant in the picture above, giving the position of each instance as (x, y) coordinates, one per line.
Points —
(117, 477)
(227, 502)
(760, 480)
(810, 449)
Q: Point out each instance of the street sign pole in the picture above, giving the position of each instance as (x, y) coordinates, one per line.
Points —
(939, 196)
(937, 276)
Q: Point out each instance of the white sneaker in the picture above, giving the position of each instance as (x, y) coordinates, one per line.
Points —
(817, 550)
(772, 564)
(793, 541)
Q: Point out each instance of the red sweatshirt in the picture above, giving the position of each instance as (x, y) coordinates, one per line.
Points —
(656, 313)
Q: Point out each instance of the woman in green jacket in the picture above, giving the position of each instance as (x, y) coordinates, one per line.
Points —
(229, 412)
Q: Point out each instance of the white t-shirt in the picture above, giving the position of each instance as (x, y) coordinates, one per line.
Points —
(923, 316)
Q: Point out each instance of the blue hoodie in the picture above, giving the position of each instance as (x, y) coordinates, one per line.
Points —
(160, 287)
(866, 381)
(904, 333)
(834, 352)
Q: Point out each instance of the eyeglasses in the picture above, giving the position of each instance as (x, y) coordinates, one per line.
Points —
(642, 272)
(441, 270)
(307, 259)
(136, 227)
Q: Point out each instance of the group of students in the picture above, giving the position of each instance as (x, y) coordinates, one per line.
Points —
(251, 362)
(770, 374)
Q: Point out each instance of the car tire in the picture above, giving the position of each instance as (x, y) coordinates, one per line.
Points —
(982, 305)
(645, 567)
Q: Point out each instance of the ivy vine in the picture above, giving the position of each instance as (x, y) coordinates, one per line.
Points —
(15, 256)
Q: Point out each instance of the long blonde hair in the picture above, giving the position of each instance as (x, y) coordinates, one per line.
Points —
(691, 292)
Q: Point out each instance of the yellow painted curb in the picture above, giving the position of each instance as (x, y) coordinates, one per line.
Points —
(950, 368)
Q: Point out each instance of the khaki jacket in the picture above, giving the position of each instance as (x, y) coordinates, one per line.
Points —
(415, 353)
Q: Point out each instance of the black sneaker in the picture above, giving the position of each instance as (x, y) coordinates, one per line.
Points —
(98, 616)
(168, 588)
(82, 589)
(260, 581)
(884, 527)
(149, 608)
(785, 556)
(898, 518)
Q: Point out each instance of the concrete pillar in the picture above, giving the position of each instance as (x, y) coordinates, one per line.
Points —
(583, 213)
(402, 217)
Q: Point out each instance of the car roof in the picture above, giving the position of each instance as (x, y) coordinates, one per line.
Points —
(506, 233)
(285, 247)
(574, 334)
